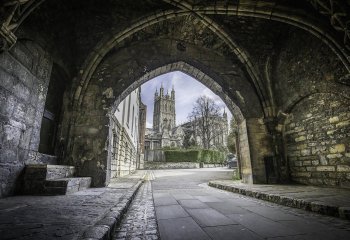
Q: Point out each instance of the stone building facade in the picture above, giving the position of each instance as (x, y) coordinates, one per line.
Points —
(142, 133)
(126, 153)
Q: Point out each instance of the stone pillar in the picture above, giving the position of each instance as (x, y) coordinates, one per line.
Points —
(244, 153)
(259, 147)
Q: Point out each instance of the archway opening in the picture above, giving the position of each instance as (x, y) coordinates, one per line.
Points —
(151, 120)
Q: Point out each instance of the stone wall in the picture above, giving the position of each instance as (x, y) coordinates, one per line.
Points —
(24, 78)
(317, 134)
(305, 65)
(178, 165)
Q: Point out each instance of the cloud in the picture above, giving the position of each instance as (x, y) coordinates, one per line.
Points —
(187, 90)
(148, 124)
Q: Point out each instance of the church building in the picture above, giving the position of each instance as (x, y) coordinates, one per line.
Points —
(164, 132)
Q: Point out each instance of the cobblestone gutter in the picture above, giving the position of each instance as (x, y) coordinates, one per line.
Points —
(104, 228)
(140, 221)
(296, 202)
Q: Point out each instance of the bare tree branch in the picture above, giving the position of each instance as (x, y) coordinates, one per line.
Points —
(207, 122)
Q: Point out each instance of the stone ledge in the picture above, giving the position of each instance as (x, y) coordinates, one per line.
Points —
(103, 229)
(313, 206)
(178, 165)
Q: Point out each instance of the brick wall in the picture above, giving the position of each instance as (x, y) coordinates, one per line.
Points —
(317, 134)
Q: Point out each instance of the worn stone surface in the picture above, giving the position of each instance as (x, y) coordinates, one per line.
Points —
(328, 201)
(226, 215)
(139, 222)
(65, 217)
(24, 78)
(178, 165)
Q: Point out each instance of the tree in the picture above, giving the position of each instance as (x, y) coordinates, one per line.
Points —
(231, 138)
(207, 124)
(189, 141)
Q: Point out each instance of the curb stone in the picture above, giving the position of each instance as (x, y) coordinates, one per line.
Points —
(103, 229)
(317, 207)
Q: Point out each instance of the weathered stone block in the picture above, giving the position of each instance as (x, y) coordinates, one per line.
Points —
(323, 160)
(333, 119)
(310, 169)
(306, 163)
(302, 174)
(300, 139)
(325, 168)
(334, 155)
(338, 148)
(331, 132)
(298, 163)
(315, 162)
(305, 152)
(343, 124)
(343, 168)
(302, 146)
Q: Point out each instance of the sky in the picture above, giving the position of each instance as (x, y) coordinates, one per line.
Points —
(187, 91)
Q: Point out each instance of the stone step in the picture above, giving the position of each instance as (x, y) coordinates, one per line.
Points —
(66, 185)
(41, 158)
(49, 179)
(48, 172)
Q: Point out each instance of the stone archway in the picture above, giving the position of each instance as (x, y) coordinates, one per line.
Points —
(93, 145)
(254, 9)
(206, 80)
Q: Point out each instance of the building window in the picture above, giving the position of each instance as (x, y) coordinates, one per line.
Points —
(135, 126)
(132, 124)
(129, 102)
(147, 145)
(124, 102)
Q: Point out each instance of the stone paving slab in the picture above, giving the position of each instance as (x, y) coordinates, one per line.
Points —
(68, 216)
(327, 201)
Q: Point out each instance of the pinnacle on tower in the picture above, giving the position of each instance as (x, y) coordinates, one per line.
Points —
(156, 93)
(173, 93)
(161, 90)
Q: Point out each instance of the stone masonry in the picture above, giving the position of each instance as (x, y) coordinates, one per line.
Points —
(24, 74)
(318, 141)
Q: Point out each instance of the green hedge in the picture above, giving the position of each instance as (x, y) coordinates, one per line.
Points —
(195, 155)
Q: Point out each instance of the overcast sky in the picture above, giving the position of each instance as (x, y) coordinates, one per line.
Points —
(187, 90)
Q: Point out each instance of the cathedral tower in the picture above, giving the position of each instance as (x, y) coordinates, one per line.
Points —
(164, 110)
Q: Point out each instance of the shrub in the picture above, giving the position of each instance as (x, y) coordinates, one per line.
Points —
(181, 155)
(194, 155)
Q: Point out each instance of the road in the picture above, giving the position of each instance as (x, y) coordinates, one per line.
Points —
(184, 207)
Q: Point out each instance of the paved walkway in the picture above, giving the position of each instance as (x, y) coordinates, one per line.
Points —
(187, 208)
(62, 217)
(328, 201)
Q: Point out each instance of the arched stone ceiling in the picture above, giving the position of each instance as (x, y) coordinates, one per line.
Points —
(144, 53)
(90, 29)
